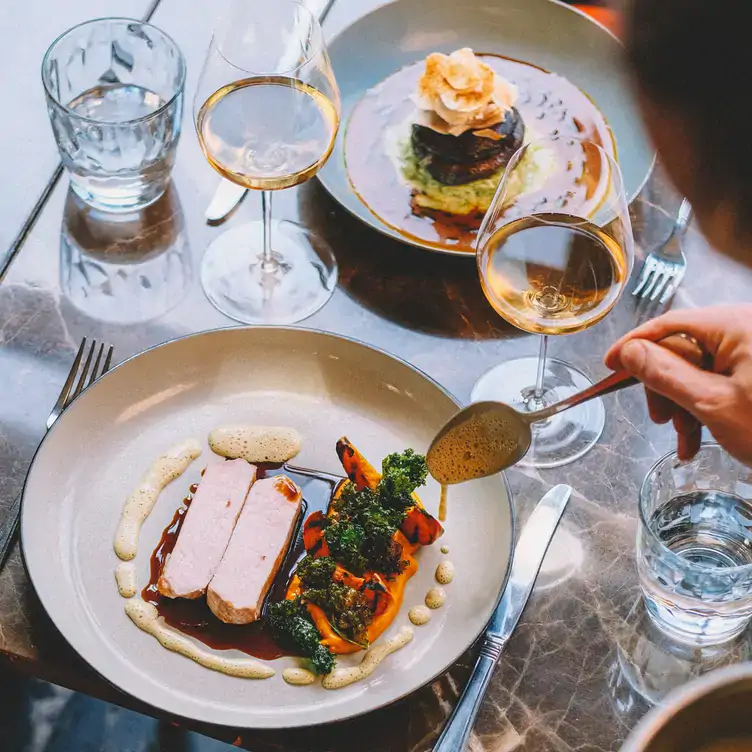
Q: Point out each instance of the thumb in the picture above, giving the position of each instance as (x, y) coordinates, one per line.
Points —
(664, 372)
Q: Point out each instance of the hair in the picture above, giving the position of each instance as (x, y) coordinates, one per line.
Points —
(694, 59)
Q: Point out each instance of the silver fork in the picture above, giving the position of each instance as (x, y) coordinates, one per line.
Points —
(664, 268)
(89, 374)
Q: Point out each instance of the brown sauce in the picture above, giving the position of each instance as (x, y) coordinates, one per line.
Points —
(194, 618)
(549, 104)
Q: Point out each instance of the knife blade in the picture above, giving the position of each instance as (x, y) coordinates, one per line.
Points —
(229, 195)
(528, 556)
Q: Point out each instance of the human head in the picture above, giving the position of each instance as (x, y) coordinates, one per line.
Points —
(690, 60)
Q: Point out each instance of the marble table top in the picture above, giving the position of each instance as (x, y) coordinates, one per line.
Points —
(583, 665)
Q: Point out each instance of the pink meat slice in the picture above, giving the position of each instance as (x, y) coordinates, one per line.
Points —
(207, 529)
(256, 551)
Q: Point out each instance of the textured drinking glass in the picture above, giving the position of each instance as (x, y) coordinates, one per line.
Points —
(115, 98)
(694, 546)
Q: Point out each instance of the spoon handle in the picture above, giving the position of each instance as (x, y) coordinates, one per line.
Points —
(682, 344)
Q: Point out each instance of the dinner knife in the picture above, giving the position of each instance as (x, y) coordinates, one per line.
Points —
(228, 195)
(528, 557)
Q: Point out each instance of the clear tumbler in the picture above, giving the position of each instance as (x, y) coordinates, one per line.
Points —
(115, 98)
(694, 546)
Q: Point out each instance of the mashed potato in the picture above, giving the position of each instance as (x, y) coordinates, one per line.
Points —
(470, 198)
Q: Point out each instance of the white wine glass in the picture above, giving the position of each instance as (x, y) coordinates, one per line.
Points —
(267, 111)
(554, 253)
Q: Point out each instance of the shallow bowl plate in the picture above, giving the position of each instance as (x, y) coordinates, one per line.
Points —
(545, 33)
(324, 386)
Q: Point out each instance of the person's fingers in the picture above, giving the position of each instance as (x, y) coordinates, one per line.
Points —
(660, 408)
(689, 434)
(667, 374)
(706, 325)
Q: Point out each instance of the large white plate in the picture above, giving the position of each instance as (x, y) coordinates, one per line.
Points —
(546, 33)
(324, 386)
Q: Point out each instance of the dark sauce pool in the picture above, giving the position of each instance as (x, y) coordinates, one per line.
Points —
(194, 618)
(549, 104)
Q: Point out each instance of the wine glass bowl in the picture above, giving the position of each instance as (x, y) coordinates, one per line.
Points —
(554, 254)
(267, 112)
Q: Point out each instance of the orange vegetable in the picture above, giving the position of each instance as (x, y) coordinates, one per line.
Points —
(359, 470)
(313, 535)
(395, 588)
(386, 595)
(419, 526)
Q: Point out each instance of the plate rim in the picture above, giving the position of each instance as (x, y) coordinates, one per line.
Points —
(348, 715)
(386, 230)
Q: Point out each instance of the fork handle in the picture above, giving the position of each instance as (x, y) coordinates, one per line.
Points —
(683, 217)
(8, 530)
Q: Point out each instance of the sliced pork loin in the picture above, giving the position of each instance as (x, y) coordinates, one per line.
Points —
(256, 551)
(207, 529)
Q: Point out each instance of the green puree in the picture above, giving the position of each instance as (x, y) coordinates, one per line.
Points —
(470, 198)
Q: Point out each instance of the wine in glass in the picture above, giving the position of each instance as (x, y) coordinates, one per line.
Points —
(267, 112)
(554, 253)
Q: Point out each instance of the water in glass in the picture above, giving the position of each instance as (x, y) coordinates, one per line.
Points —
(695, 547)
(114, 95)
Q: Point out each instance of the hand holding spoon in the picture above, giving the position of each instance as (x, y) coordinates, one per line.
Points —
(488, 437)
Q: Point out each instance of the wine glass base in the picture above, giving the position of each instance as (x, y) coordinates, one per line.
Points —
(299, 281)
(565, 437)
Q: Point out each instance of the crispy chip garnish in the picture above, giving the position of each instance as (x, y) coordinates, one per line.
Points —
(464, 92)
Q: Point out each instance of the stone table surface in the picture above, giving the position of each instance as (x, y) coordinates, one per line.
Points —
(582, 666)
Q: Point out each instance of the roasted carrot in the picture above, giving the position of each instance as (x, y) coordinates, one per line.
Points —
(418, 527)
(384, 595)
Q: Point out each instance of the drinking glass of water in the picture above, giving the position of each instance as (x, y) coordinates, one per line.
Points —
(694, 546)
(115, 98)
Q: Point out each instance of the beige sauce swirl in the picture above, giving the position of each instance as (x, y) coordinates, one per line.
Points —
(343, 677)
(125, 576)
(478, 446)
(444, 572)
(144, 616)
(299, 677)
(256, 443)
(139, 504)
(435, 597)
(419, 615)
(443, 503)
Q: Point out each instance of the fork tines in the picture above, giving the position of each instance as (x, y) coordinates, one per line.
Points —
(93, 367)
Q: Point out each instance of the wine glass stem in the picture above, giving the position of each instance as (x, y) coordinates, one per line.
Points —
(268, 262)
(537, 396)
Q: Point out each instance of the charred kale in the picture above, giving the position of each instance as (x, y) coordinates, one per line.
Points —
(361, 536)
(348, 610)
(316, 572)
(292, 625)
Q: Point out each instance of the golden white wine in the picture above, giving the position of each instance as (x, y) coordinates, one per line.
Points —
(552, 273)
(267, 132)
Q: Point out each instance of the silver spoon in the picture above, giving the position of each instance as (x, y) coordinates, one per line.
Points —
(487, 437)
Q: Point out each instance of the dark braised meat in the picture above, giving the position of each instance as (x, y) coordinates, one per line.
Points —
(454, 173)
(455, 160)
